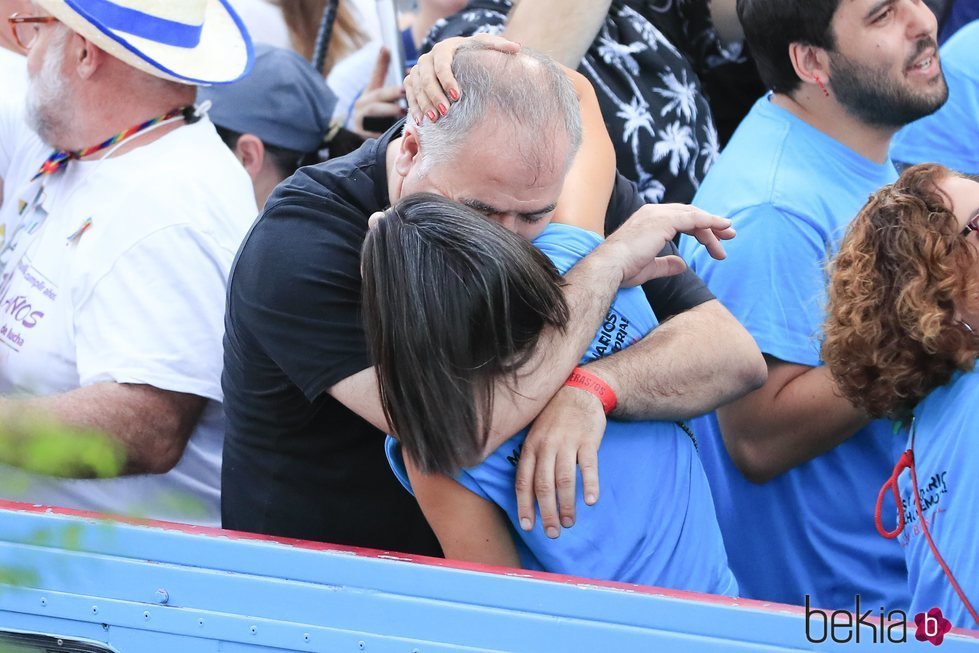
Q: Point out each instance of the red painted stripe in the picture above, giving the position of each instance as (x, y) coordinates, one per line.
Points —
(207, 531)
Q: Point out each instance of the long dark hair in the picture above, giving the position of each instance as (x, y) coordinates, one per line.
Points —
(451, 303)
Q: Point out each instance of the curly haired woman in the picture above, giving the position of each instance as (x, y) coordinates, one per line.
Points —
(902, 338)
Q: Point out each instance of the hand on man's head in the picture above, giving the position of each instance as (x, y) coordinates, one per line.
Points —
(430, 83)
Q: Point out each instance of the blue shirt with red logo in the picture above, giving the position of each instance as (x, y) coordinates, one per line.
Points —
(947, 470)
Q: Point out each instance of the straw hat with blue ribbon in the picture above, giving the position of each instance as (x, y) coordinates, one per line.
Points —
(189, 41)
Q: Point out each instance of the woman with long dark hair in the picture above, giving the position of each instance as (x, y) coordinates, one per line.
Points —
(452, 303)
(902, 342)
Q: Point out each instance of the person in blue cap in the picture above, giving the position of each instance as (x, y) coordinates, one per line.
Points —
(275, 120)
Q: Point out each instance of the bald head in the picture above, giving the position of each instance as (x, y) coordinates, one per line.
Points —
(525, 99)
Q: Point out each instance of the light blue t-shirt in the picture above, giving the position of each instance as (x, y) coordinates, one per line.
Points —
(791, 191)
(654, 523)
(949, 136)
(947, 467)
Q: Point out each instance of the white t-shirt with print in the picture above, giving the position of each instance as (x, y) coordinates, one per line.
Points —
(137, 297)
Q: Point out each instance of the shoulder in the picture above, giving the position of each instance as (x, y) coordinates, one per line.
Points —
(746, 170)
(963, 47)
(565, 245)
(325, 204)
(951, 402)
(311, 232)
(188, 179)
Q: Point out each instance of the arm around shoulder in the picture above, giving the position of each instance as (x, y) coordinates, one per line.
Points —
(688, 366)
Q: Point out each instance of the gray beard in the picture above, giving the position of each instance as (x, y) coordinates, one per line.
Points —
(49, 108)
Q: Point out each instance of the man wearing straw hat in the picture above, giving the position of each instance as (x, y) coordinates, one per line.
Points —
(122, 213)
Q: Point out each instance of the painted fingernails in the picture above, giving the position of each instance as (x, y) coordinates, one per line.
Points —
(442, 109)
(454, 94)
(431, 115)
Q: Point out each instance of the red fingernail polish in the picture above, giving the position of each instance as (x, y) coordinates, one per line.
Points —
(454, 94)
(431, 116)
(442, 109)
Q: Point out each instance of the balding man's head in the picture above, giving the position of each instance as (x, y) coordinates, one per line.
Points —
(524, 98)
(504, 148)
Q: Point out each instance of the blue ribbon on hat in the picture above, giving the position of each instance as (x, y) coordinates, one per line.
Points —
(138, 23)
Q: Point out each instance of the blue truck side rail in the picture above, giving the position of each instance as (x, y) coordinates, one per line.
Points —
(128, 586)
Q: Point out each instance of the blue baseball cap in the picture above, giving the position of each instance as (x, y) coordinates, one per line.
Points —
(283, 101)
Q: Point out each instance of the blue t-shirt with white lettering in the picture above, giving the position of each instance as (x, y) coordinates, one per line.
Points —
(654, 523)
(949, 136)
(791, 191)
(947, 469)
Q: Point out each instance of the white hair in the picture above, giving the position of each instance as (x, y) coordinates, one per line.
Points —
(49, 113)
(528, 91)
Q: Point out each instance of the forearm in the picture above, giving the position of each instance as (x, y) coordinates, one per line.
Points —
(591, 285)
(468, 527)
(694, 362)
(563, 29)
(796, 416)
(105, 429)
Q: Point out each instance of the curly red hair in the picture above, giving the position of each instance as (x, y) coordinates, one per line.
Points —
(890, 334)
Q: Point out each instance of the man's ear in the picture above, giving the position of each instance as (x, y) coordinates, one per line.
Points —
(87, 56)
(250, 150)
(409, 153)
(811, 63)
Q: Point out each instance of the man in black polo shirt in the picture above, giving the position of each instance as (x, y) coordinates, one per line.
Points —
(303, 452)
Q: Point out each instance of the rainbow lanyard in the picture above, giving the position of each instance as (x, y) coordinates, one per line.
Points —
(59, 160)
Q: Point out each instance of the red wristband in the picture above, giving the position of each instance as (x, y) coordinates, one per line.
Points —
(582, 378)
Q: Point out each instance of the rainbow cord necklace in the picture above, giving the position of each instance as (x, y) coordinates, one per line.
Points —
(59, 159)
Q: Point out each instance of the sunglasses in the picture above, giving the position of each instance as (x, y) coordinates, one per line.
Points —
(26, 29)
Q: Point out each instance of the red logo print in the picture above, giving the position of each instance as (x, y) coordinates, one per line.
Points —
(931, 626)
